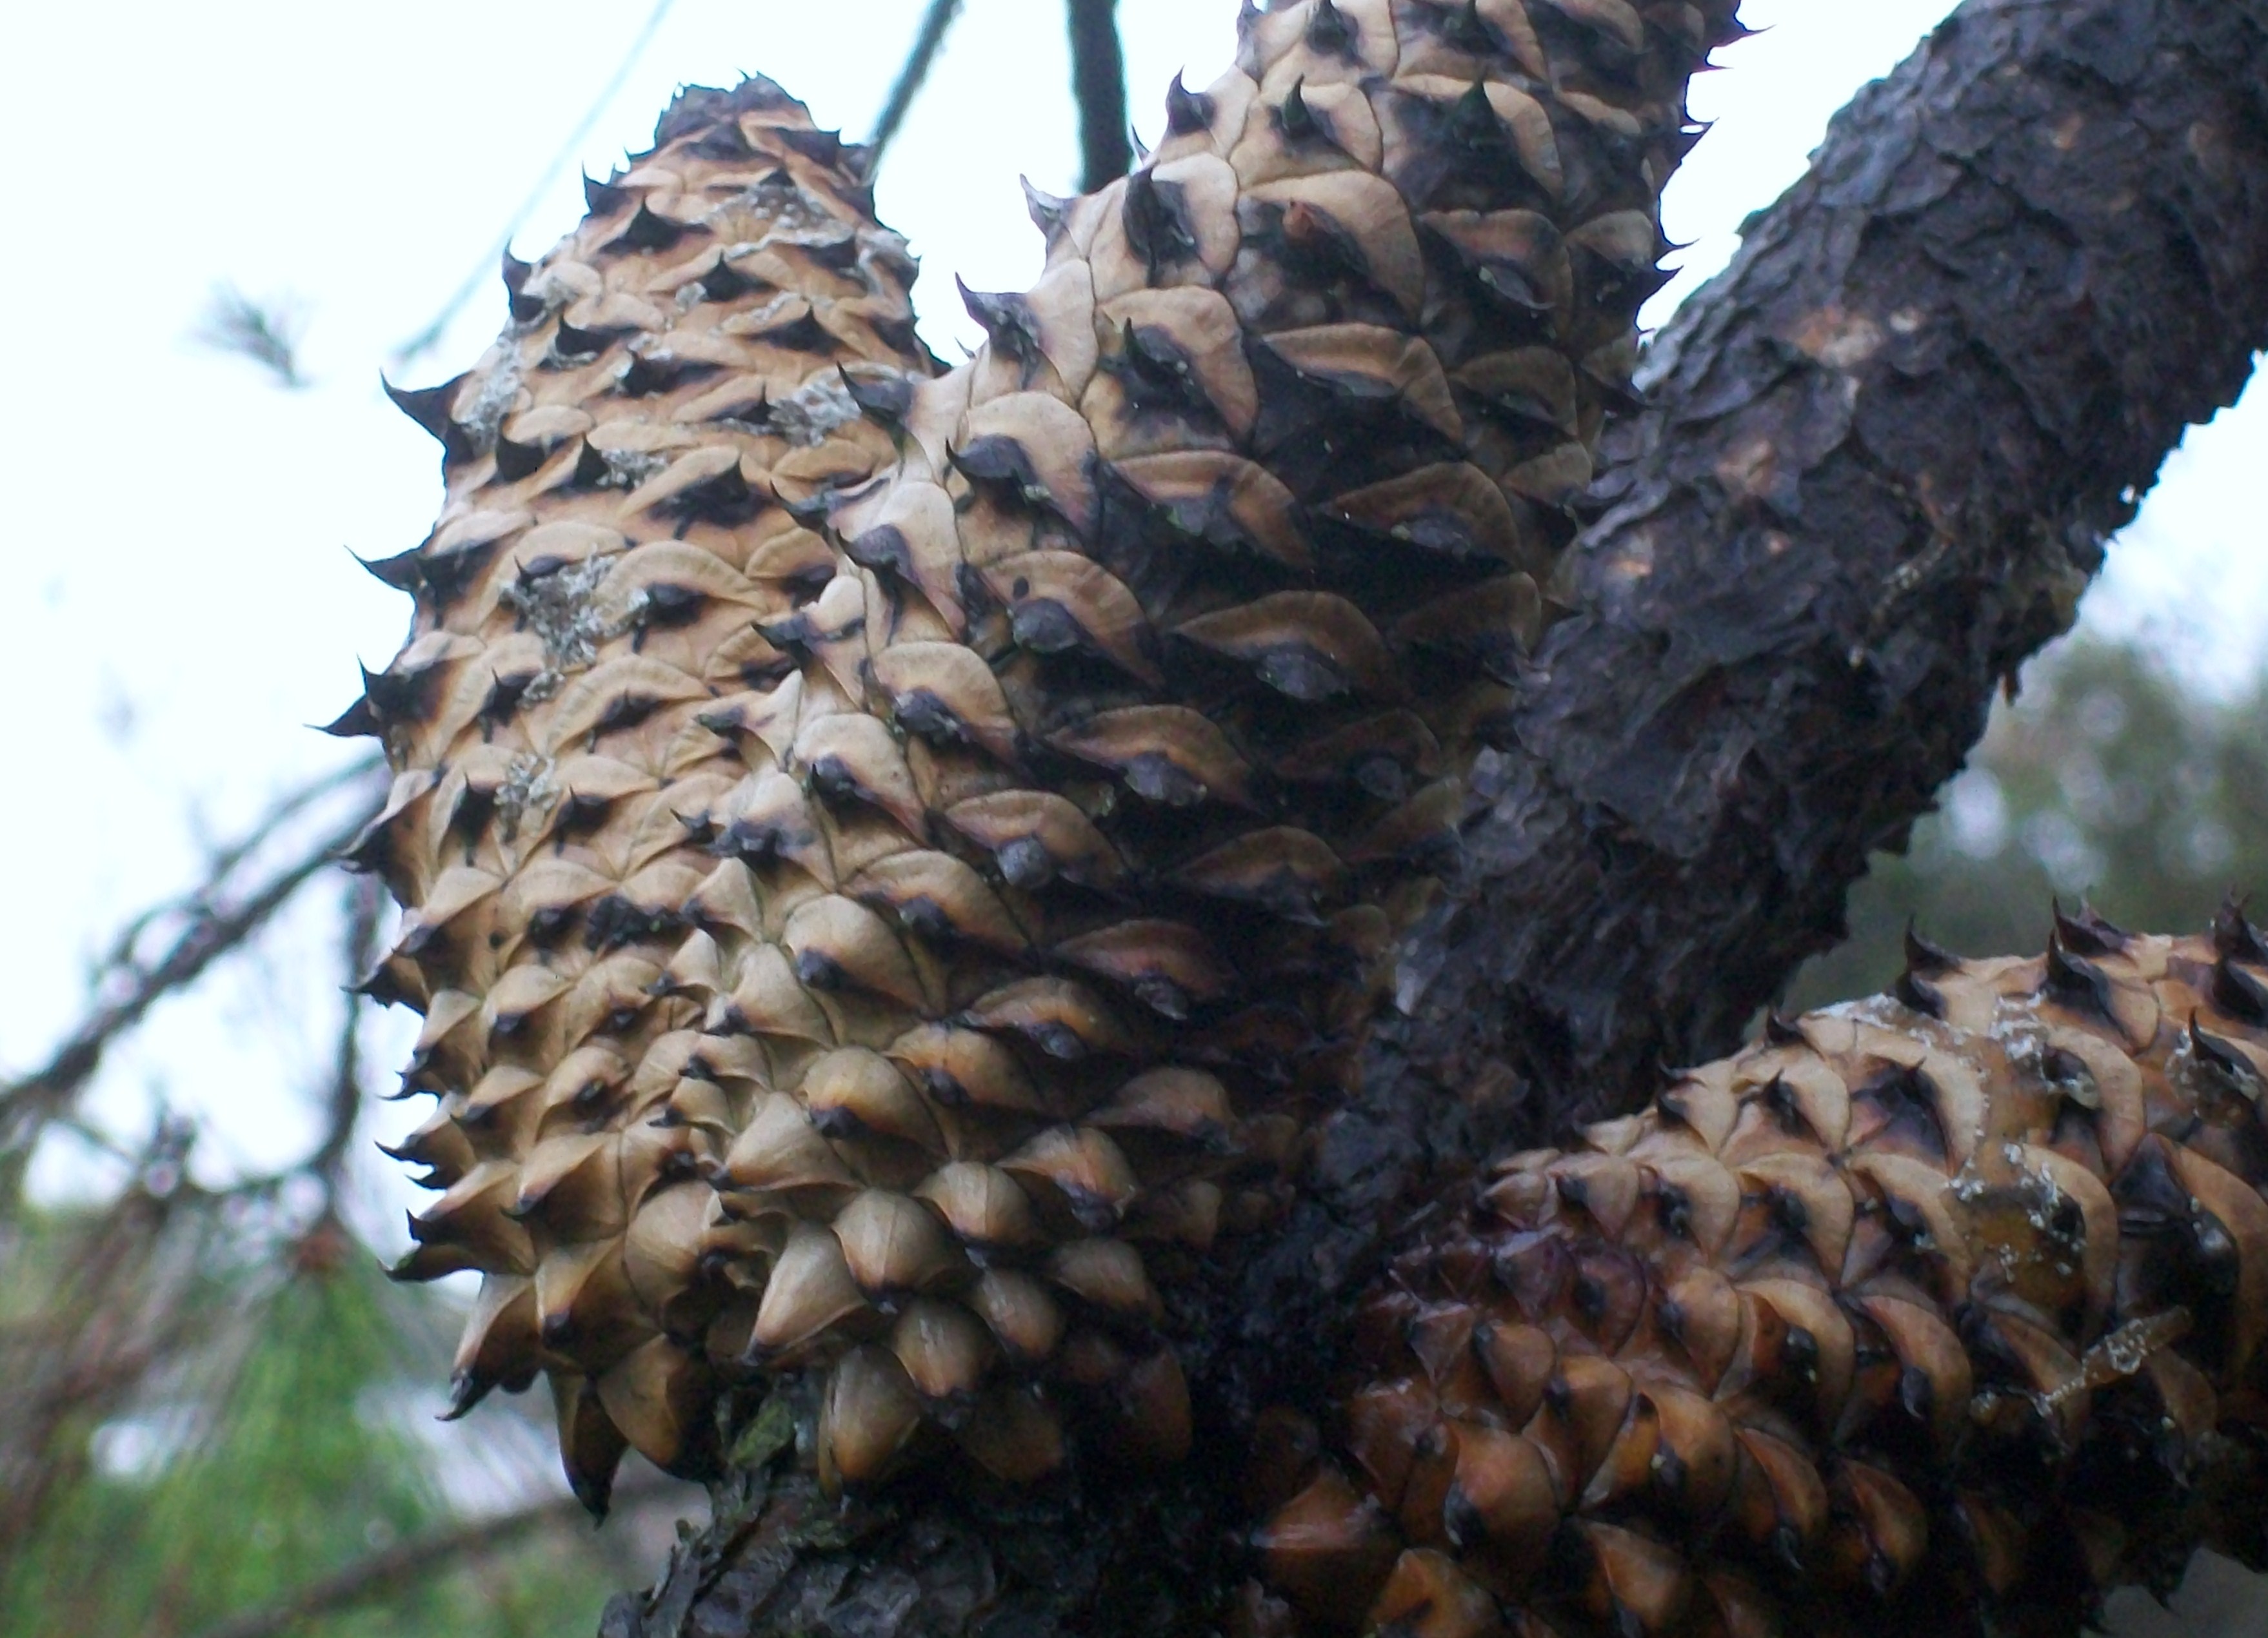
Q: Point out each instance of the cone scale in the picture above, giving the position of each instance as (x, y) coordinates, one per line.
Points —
(896, 863)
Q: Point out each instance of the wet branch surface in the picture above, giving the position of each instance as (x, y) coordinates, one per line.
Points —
(1881, 457)
(1877, 464)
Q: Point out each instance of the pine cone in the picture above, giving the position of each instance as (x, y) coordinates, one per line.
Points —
(1946, 1307)
(897, 866)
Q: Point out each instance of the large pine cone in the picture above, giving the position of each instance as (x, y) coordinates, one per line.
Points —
(896, 866)
(1941, 1312)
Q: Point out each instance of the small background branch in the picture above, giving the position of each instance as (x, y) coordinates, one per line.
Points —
(429, 337)
(1098, 85)
(365, 905)
(208, 922)
(936, 23)
(418, 1559)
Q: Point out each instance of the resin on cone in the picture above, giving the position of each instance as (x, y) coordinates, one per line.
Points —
(895, 865)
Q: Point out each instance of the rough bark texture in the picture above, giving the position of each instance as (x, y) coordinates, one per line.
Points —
(1879, 461)
(1883, 457)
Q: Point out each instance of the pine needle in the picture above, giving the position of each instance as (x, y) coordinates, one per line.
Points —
(267, 333)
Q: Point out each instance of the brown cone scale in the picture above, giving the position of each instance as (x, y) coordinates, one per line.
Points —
(894, 862)
(1947, 1301)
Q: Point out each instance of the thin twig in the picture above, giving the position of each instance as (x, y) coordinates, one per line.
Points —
(222, 862)
(1098, 85)
(935, 23)
(387, 1571)
(366, 899)
(216, 922)
(428, 338)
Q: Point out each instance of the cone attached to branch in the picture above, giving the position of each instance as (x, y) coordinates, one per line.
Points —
(894, 862)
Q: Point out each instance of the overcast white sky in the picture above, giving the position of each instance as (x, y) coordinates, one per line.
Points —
(178, 576)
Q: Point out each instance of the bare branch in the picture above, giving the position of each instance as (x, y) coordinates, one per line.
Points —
(214, 919)
(1098, 85)
(935, 24)
(365, 901)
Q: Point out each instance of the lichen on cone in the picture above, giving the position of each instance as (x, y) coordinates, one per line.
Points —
(1943, 1307)
(895, 866)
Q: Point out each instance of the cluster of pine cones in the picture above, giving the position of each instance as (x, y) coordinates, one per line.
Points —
(897, 862)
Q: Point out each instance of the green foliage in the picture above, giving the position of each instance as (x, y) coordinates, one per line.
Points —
(279, 1451)
(2105, 780)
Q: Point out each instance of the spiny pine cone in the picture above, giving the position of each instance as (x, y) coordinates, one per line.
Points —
(897, 865)
(1942, 1306)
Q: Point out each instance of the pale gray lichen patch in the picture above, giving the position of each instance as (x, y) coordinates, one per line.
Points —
(797, 216)
(776, 211)
(2031, 1188)
(1968, 1185)
(498, 394)
(2051, 1213)
(528, 788)
(2126, 1352)
(2019, 1032)
(821, 405)
(882, 251)
(563, 610)
(554, 357)
(627, 468)
(762, 317)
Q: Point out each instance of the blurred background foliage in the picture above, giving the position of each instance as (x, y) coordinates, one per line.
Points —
(266, 1446)
(2107, 779)
(230, 1405)
(217, 1411)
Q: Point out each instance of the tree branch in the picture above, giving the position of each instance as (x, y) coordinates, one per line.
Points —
(1880, 460)
(365, 902)
(1098, 85)
(118, 1305)
(418, 345)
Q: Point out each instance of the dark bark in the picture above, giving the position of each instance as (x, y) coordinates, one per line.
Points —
(1098, 88)
(1881, 457)
(1879, 461)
